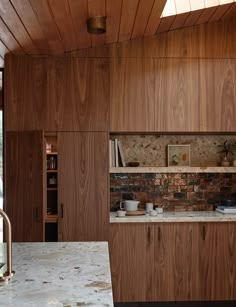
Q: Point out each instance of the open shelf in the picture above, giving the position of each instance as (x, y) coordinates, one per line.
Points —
(173, 169)
(51, 218)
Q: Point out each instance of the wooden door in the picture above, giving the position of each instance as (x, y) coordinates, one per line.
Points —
(176, 95)
(217, 95)
(83, 94)
(83, 186)
(24, 184)
(217, 264)
(131, 258)
(30, 95)
(132, 95)
(176, 262)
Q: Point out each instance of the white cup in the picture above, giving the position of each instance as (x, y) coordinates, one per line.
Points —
(152, 212)
(149, 206)
(159, 210)
(129, 205)
(121, 213)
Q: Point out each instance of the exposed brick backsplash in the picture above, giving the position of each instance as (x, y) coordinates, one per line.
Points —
(175, 192)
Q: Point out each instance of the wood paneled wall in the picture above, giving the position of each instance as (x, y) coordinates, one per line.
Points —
(73, 94)
(212, 40)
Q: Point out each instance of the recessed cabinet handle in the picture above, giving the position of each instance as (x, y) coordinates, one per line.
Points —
(149, 234)
(37, 214)
(62, 211)
(204, 232)
(159, 234)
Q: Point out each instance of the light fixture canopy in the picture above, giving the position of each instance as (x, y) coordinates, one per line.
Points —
(96, 25)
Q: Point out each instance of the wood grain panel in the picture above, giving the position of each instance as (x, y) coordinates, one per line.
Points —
(184, 278)
(44, 15)
(217, 94)
(132, 95)
(176, 95)
(30, 22)
(131, 257)
(142, 17)
(128, 14)
(96, 8)
(62, 16)
(24, 172)
(179, 21)
(9, 40)
(192, 18)
(79, 13)
(3, 50)
(30, 101)
(165, 24)
(83, 84)
(220, 11)
(231, 12)
(83, 186)
(206, 14)
(155, 17)
(11, 19)
(113, 13)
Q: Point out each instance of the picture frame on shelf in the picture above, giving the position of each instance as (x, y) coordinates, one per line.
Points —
(178, 155)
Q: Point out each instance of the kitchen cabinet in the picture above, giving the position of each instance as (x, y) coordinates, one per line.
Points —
(132, 95)
(56, 94)
(24, 184)
(176, 95)
(30, 96)
(83, 94)
(79, 211)
(217, 263)
(83, 186)
(173, 261)
(176, 262)
(217, 95)
(131, 256)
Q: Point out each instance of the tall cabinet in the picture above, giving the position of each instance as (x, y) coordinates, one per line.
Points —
(68, 98)
(24, 184)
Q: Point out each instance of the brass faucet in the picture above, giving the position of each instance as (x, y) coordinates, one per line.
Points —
(9, 273)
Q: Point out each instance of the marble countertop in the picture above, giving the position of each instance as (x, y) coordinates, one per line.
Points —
(189, 216)
(58, 274)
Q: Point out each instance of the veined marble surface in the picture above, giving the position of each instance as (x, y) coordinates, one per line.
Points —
(189, 216)
(58, 274)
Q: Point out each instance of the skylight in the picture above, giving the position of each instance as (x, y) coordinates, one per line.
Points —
(174, 7)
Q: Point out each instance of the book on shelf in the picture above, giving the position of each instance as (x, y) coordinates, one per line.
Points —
(111, 153)
(224, 209)
(120, 151)
(116, 154)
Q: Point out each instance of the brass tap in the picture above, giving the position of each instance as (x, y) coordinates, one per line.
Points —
(9, 273)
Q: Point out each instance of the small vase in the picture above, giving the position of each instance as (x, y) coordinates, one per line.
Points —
(225, 162)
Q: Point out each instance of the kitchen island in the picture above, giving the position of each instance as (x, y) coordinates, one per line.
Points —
(58, 274)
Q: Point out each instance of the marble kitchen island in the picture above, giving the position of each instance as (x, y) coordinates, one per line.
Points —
(58, 274)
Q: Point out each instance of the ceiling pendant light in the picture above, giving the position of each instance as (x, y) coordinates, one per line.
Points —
(96, 25)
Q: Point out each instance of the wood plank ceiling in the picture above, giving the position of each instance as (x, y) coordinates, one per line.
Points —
(59, 26)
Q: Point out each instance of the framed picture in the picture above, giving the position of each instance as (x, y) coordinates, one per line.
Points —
(178, 155)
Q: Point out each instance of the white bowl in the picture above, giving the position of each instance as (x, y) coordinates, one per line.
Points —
(120, 213)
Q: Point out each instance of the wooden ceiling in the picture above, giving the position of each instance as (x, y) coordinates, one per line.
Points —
(59, 26)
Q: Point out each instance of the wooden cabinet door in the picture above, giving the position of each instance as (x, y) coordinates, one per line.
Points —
(83, 94)
(132, 95)
(217, 95)
(176, 262)
(217, 263)
(83, 186)
(30, 95)
(131, 257)
(24, 185)
(176, 95)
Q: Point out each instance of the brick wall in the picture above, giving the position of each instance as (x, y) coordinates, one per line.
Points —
(175, 192)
